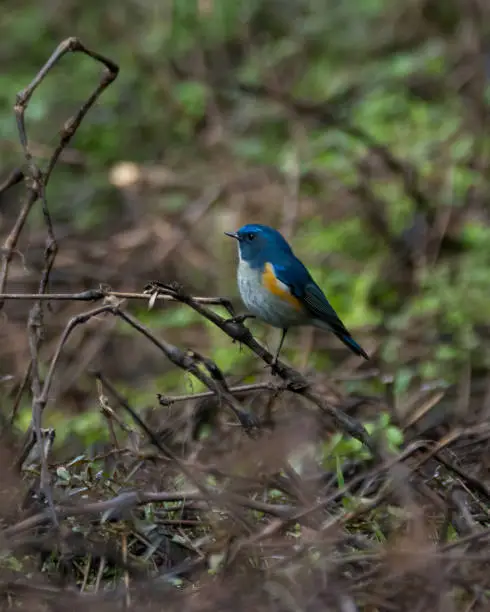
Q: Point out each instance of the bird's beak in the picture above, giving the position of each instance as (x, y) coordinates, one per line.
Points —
(233, 235)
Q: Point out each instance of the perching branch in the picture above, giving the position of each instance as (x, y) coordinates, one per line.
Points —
(293, 380)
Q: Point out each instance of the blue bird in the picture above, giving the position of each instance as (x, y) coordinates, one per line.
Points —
(277, 288)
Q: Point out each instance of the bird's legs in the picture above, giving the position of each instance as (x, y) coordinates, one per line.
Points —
(276, 358)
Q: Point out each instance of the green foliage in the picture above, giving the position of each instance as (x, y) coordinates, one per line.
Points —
(171, 316)
(89, 427)
(340, 448)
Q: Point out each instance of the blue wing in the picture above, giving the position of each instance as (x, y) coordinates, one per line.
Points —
(302, 286)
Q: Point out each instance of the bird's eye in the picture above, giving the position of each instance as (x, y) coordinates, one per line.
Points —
(250, 236)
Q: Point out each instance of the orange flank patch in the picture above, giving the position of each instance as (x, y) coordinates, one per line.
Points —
(275, 286)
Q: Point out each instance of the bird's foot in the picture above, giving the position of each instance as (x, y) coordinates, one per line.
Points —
(240, 319)
(240, 332)
(274, 367)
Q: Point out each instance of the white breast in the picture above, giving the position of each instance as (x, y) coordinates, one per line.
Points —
(261, 302)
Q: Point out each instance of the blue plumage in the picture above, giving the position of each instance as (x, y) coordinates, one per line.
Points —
(277, 287)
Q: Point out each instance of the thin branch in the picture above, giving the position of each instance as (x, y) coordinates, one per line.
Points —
(14, 178)
(93, 295)
(168, 400)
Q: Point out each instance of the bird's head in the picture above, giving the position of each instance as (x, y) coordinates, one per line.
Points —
(258, 244)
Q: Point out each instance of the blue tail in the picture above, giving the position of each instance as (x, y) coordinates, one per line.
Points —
(352, 344)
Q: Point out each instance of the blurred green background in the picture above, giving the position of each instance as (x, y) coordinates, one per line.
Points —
(357, 128)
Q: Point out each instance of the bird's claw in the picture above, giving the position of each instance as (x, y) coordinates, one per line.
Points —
(274, 367)
(240, 319)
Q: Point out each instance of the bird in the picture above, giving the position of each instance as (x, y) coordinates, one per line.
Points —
(277, 288)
